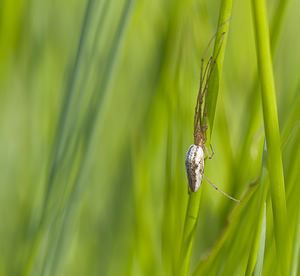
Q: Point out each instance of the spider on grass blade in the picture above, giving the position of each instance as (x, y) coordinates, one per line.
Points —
(194, 160)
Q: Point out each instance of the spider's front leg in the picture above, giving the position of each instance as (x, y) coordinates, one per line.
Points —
(210, 156)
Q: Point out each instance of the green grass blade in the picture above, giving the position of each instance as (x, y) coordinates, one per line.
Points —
(261, 250)
(275, 167)
(189, 232)
(79, 183)
(276, 23)
(256, 243)
(61, 133)
(206, 265)
(192, 211)
(295, 266)
(213, 89)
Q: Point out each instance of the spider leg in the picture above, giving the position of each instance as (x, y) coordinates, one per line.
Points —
(197, 116)
(201, 93)
(210, 70)
(212, 150)
(205, 74)
(213, 37)
(216, 188)
(210, 156)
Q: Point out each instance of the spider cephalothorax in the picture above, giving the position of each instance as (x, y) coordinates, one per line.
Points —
(200, 137)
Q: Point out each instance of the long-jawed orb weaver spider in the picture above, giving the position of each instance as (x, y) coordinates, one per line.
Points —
(195, 156)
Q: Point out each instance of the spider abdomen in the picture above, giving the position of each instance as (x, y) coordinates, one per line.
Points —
(194, 165)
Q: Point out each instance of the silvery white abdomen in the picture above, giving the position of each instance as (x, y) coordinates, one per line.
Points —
(194, 165)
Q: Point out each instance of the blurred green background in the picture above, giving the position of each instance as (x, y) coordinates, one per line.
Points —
(96, 105)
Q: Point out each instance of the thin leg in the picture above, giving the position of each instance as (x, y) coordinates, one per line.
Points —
(212, 65)
(206, 81)
(198, 113)
(212, 154)
(216, 188)
(212, 151)
(213, 37)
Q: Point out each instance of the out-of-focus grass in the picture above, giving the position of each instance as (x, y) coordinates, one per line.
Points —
(104, 192)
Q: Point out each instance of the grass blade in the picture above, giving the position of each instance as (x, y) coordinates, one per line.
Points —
(275, 167)
(261, 250)
(192, 211)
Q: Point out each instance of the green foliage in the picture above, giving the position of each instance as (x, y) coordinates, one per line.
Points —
(271, 127)
(97, 105)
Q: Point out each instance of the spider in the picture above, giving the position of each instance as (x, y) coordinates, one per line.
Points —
(195, 156)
